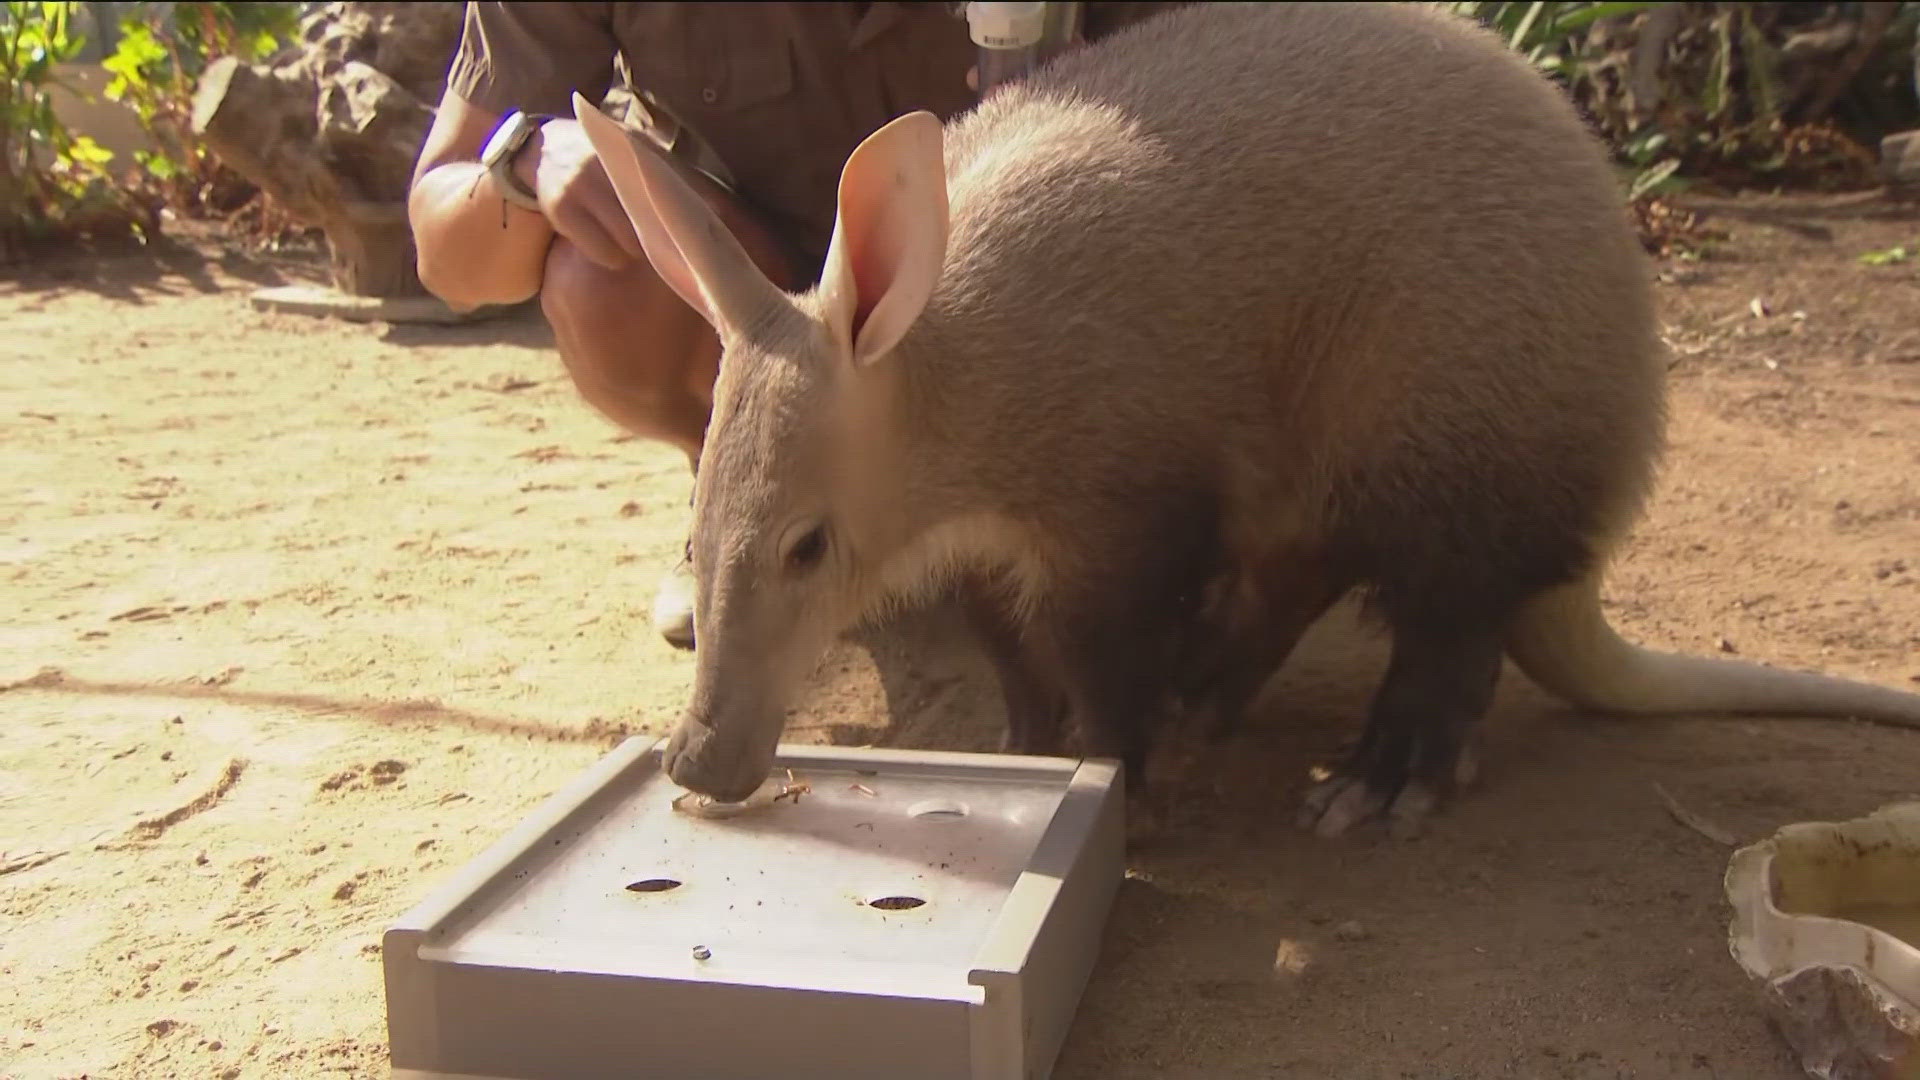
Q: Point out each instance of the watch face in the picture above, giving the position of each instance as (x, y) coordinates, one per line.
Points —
(506, 138)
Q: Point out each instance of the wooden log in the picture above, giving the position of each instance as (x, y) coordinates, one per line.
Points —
(332, 131)
(337, 156)
(261, 124)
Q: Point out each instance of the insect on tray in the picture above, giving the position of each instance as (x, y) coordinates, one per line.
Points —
(873, 913)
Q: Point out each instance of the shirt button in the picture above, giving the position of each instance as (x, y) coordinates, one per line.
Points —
(709, 95)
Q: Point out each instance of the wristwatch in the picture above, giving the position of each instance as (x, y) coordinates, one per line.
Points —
(505, 144)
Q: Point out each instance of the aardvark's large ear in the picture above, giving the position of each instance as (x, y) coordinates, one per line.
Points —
(890, 237)
(689, 247)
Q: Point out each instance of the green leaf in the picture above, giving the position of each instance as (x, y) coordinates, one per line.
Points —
(1526, 24)
(1593, 13)
(121, 66)
(1641, 147)
(1887, 257)
(1649, 179)
(161, 167)
(1715, 96)
(87, 152)
(1762, 64)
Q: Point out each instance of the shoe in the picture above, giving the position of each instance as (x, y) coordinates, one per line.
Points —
(673, 606)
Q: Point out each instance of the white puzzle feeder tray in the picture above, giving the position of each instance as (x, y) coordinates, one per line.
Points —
(895, 914)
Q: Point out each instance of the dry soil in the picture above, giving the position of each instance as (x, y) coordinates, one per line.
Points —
(299, 615)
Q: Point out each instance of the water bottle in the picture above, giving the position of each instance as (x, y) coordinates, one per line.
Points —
(1016, 38)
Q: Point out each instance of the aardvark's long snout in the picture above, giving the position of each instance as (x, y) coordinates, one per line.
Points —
(701, 759)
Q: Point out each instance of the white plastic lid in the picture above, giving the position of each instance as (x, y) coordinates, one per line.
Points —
(1006, 25)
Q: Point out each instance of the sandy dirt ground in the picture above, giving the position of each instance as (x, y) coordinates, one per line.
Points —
(300, 615)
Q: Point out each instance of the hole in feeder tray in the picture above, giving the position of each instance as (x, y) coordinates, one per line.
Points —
(938, 810)
(653, 884)
(895, 903)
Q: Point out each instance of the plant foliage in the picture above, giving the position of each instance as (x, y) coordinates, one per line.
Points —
(1727, 94)
(1734, 93)
(54, 183)
(50, 180)
(155, 68)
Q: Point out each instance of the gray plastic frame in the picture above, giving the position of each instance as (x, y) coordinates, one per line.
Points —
(453, 1020)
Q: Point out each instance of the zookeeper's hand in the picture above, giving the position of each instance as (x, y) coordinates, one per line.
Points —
(560, 166)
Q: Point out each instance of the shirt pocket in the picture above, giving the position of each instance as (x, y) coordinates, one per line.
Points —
(759, 71)
(708, 65)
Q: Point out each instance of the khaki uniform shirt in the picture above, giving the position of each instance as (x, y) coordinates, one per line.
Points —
(776, 95)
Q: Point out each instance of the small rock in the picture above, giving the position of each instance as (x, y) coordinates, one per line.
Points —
(160, 1029)
(1351, 930)
(1843, 1023)
(339, 780)
(1725, 646)
(1291, 959)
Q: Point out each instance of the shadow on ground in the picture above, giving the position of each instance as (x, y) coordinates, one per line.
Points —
(136, 273)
